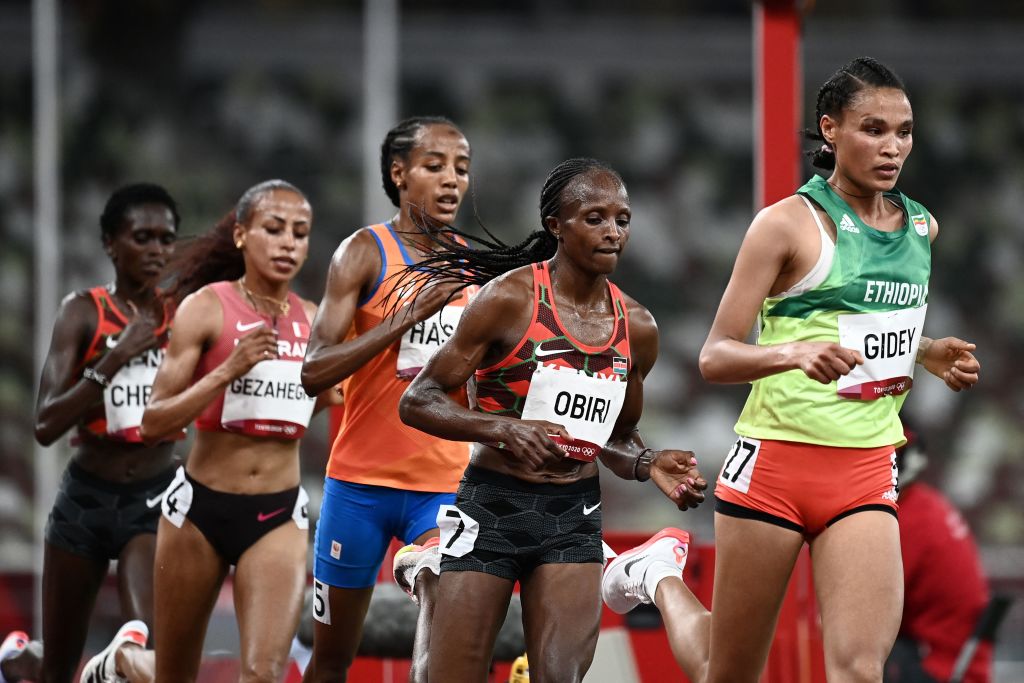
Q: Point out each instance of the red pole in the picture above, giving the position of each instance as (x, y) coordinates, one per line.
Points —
(778, 96)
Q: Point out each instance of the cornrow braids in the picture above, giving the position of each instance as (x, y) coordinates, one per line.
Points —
(453, 259)
(398, 142)
(128, 196)
(835, 96)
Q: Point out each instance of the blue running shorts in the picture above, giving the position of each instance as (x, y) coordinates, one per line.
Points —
(357, 523)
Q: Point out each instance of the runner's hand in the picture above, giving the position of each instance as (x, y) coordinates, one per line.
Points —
(676, 474)
(530, 440)
(138, 335)
(950, 359)
(826, 362)
(258, 345)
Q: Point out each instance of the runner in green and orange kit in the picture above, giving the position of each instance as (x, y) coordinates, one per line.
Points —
(837, 276)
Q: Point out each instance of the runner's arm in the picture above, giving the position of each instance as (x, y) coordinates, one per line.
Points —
(428, 405)
(330, 356)
(726, 357)
(673, 471)
(65, 397)
(175, 401)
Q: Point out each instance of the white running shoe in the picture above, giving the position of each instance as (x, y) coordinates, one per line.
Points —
(15, 642)
(412, 559)
(102, 667)
(623, 586)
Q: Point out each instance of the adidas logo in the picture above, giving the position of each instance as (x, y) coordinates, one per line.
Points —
(848, 225)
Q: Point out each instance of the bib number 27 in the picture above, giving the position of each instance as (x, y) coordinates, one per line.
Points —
(739, 464)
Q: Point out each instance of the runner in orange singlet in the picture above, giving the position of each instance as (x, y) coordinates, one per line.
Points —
(384, 480)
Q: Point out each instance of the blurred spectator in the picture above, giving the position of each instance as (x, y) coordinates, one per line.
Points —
(945, 589)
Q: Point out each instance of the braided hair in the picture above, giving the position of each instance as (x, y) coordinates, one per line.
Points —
(129, 196)
(835, 96)
(213, 256)
(397, 144)
(454, 260)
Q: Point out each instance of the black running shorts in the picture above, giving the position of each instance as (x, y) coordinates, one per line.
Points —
(96, 518)
(506, 527)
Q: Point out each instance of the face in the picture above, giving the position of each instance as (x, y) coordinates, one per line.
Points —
(435, 177)
(275, 240)
(872, 138)
(143, 243)
(593, 224)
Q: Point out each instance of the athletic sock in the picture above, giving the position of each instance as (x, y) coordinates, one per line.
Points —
(656, 571)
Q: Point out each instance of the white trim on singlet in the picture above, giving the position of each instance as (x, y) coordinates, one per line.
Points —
(816, 275)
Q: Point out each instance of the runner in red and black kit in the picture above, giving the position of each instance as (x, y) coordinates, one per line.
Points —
(560, 355)
(233, 365)
(107, 343)
(944, 586)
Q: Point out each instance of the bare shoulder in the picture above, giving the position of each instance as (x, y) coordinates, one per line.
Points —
(783, 218)
(509, 290)
(642, 325)
(357, 247)
(933, 229)
(309, 308)
(200, 311)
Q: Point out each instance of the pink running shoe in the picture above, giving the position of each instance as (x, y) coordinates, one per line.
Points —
(623, 587)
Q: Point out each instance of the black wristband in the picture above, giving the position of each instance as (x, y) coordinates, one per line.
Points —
(646, 457)
(94, 375)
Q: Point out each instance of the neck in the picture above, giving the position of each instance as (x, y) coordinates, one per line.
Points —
(138, 294)
(863, 200)
(584, 288)
(262, 287)
(412, 232)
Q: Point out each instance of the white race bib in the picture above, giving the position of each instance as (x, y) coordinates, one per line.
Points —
(125, 399)
(177, 499)
(423, 339)
(888, 341)
(269, 394)
(586, 406)
(458, 531)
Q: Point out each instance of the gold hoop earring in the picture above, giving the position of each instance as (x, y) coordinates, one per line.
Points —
(239, 244)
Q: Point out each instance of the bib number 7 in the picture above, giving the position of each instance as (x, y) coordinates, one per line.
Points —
(739, 464)
(458, 531)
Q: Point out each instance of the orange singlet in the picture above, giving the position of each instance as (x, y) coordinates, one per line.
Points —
(373, 446)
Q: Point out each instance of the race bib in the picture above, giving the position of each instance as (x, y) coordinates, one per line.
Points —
(268, 401)
(738, 468)
(177, 499)
(423, 339)
(888, 341)
(586, 406)
(125, 399)
(300, 513)
(458, 531)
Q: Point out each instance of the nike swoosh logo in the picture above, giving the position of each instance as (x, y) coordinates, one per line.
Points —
(247, 326)
(587, 510)
(262, 517)
(632, 562)
(153, 502)
(540, 353)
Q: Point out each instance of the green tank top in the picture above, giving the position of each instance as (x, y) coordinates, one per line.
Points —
(875, 295)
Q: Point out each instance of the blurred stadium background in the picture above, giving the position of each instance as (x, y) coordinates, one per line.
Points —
(208, 97)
